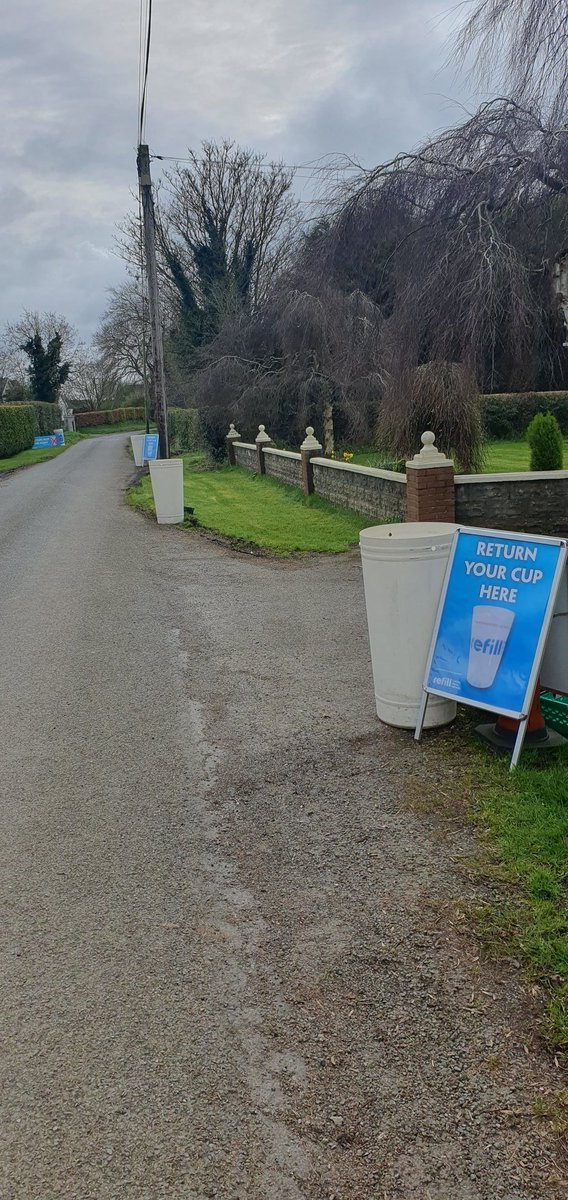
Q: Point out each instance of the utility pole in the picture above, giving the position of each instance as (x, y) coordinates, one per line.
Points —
(149, 226)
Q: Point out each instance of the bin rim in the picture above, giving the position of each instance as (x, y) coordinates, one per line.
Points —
(417, 532)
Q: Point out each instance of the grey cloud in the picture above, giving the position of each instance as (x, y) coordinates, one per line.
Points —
(294, 78)
(14, 203)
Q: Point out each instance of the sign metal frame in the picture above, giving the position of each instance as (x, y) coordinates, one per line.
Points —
(523, 715)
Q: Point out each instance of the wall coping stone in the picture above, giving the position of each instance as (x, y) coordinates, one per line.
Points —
(246, 445)
(262, 436)
(429, 455)
(283, 453)
(374, 472)
(511, 477)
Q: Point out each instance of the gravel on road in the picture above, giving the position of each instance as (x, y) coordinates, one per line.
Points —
(229, 964)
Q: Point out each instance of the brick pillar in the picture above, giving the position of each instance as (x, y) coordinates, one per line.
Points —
(309, 449)
(430, 484)
(262, 441)
(230, 440)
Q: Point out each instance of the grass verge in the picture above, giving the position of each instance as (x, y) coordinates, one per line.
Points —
(524, 814)
(29, 458)
(258, 511)
(522, 817)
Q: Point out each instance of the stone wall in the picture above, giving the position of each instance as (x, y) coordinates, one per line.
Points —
(245, 455)
(531, 502)
(284, 465)
(378, 494)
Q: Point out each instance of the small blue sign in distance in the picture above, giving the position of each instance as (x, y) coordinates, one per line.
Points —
(150, 449)
(42, 443)
(497, 596)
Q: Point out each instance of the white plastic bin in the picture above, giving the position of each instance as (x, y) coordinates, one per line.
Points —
(167, 485)
(403, 573)
(137, 443)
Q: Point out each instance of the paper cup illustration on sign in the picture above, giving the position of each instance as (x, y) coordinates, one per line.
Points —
(490, 628)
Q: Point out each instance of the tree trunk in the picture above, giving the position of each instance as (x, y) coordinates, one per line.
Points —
(328, 438)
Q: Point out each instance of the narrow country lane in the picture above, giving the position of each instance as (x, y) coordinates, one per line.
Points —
(227, 967)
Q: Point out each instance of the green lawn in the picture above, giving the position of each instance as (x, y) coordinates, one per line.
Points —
(120, 427)
(253, 509)
(499, 456)
(511, 456)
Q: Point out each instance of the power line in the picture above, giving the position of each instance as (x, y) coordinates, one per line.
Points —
(144, 76)
(349, 166)
(141, 27)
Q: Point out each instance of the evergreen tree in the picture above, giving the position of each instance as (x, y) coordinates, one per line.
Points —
(46, 371)
(545, 440)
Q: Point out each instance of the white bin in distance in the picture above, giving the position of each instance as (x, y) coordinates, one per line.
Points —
(167, 485)
(403, 573)
(137, 443)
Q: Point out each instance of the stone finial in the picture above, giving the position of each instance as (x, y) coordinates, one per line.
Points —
(310, 442)
(262, 435)
(233, 433)
(429, 455)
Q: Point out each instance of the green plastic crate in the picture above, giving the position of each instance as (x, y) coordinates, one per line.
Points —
(555, 711)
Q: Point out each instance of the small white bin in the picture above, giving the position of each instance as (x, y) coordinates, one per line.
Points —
(403, 573)
(167, 485)
(137, 443)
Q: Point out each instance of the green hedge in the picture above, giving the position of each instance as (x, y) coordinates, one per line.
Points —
(183, 428)
(110, 416)
(17, 428)
(48, 417)
(509, 414)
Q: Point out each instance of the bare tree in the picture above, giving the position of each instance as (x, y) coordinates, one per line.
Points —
(94, 383)
(458, 243)
(444, 396)
(524, 45)
(122, 338)
(307, 356)
(331, 342)
(438, 268)
(226, 223)
(229, 213)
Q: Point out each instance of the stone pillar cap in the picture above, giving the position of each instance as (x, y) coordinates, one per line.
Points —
(232, 432)
(262, 435)
(310, 442)
(429, 455)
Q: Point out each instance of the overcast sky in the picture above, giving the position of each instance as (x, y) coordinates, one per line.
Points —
(293, 78)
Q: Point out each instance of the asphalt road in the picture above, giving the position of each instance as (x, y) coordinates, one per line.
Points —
(225, 964)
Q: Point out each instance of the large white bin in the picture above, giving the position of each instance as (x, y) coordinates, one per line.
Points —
(137, 443)
(167, 485)
(403, 572)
